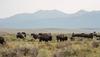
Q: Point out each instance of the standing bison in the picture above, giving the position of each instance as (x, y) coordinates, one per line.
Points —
(20, 35)
(2, 41)
(45, 37)
(90, 35)
(35, 36)
(61, 37)
(24, 34)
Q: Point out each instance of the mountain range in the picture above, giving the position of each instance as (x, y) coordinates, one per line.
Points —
(53, 19)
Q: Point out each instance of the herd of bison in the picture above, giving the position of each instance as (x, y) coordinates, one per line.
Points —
(48, 36)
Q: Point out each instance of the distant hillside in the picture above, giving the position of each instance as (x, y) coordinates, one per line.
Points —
(53, 19)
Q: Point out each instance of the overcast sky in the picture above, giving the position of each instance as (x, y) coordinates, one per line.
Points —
(12, 7)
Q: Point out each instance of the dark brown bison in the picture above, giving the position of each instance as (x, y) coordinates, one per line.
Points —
(90, 35)
(20, 35)
(61, 37)
(45, 37)
(2, 40)
(35, 36)
(24, 34)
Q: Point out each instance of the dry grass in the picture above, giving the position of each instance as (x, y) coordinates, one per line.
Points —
(33, 48)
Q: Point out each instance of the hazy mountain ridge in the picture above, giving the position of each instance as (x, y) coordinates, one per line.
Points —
(53, 19)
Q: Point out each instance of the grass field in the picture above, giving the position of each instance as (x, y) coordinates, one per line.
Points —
(33, 48)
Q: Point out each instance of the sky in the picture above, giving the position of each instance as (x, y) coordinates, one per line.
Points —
(12, 7)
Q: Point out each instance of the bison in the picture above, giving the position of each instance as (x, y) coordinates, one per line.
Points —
(20, 35)
(45, 37)
(61, 37)
(2, 40)
(35, 36)
(90, 35)
(24, 34)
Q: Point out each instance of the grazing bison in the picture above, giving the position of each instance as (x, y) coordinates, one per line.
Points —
(20, 35)
(90, 35)
(2, 41)
(24, 34)
(45, 37)
(61, 37)
(35, 36)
